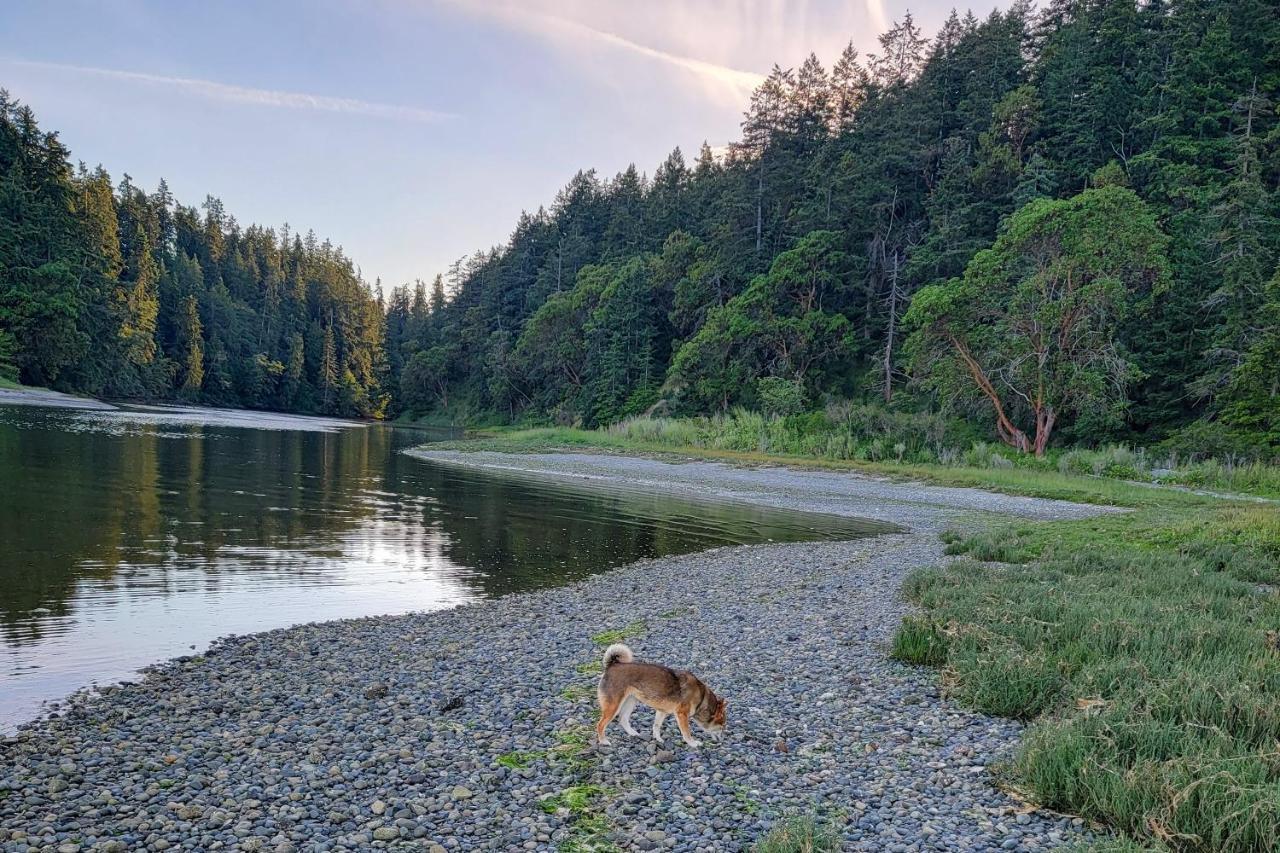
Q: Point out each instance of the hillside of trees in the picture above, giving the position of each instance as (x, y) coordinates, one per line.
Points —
(1061, 224)
(113, 291)
(1081, 201)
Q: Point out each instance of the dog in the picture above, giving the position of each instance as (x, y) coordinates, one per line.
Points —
(626, 681)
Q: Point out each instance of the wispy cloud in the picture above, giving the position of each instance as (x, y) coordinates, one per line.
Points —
(879, 17)
(731, 83)
(274, 98)
(742, 80)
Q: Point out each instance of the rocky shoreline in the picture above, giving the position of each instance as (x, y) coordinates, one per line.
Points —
(50, 399)
(470, 728)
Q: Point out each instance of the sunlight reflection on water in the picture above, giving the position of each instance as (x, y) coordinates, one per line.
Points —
(129, 537)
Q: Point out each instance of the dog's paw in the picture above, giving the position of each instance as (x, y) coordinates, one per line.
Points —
(603, 741)
(693, 744)
(633, 733)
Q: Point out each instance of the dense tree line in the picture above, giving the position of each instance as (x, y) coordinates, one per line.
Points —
(114, 291)
(1063, 224)
(988, 167)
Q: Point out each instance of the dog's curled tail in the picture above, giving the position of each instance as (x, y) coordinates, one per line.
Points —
(617, 653)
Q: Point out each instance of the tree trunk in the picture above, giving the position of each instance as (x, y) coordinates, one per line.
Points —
(760, 206)
(1044, 428)
(893, 327)
(1005, 428)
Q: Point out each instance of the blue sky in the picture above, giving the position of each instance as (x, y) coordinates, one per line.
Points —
(411, 132)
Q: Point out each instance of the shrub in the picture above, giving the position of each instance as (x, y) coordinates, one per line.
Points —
(1212, 440)
(780, 396)
(983, 455)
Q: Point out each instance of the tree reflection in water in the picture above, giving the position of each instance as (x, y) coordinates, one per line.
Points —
(129, 537)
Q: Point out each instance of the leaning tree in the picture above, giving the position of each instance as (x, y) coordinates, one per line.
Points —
(1030, 328)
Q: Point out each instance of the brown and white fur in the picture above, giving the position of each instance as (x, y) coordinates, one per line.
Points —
(626, 681)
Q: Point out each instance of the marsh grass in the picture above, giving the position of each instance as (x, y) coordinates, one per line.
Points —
(1143, 647)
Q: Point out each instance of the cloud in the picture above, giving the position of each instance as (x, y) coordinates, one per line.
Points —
(729, 83)
(742, 80)
(254, 97)
(879, 17)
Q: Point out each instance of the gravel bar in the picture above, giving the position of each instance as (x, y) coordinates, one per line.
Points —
(916, 506)
(471, 728)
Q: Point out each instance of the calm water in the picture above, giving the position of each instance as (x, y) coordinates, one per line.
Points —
(129, 537)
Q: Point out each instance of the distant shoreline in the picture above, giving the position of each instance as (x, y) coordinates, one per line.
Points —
(43, 397)
(52, 399)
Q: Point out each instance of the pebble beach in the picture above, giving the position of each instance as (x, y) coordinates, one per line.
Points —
(473, 728)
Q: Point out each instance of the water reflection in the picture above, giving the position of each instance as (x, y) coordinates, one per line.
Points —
(130, 537)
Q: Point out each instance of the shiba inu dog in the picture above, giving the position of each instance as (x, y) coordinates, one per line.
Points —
(626, 681)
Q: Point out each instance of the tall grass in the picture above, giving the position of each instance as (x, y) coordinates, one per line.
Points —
(1228, 473)
(841, 431)
(862, 433)
(1146, 650)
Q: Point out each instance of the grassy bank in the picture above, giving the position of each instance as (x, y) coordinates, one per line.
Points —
(1040, 482)
(927, 446)
(1144, 648)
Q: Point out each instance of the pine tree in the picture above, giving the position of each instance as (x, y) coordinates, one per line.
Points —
(191, 344)
(137, 299)
(328, 378)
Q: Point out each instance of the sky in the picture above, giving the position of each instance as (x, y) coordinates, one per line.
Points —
(410, 132)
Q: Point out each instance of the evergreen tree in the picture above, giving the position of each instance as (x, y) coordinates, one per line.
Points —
(191, 347)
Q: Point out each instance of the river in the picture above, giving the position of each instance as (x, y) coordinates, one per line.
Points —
(135, 535)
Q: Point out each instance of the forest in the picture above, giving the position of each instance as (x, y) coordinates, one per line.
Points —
(112, 291)
(1059, 225)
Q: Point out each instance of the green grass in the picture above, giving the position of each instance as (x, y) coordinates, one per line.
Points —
(572, 749)
(742, 795)
(519, 760)
(576, 799)
(1144, 648)
(11, 385)
(590, 827)
(803, 834)
(920, 640)
(617, 635)
(578, 692)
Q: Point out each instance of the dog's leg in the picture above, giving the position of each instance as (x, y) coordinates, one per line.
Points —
(658, 719)
(624, 716)
(682, 719)
(609, 706)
